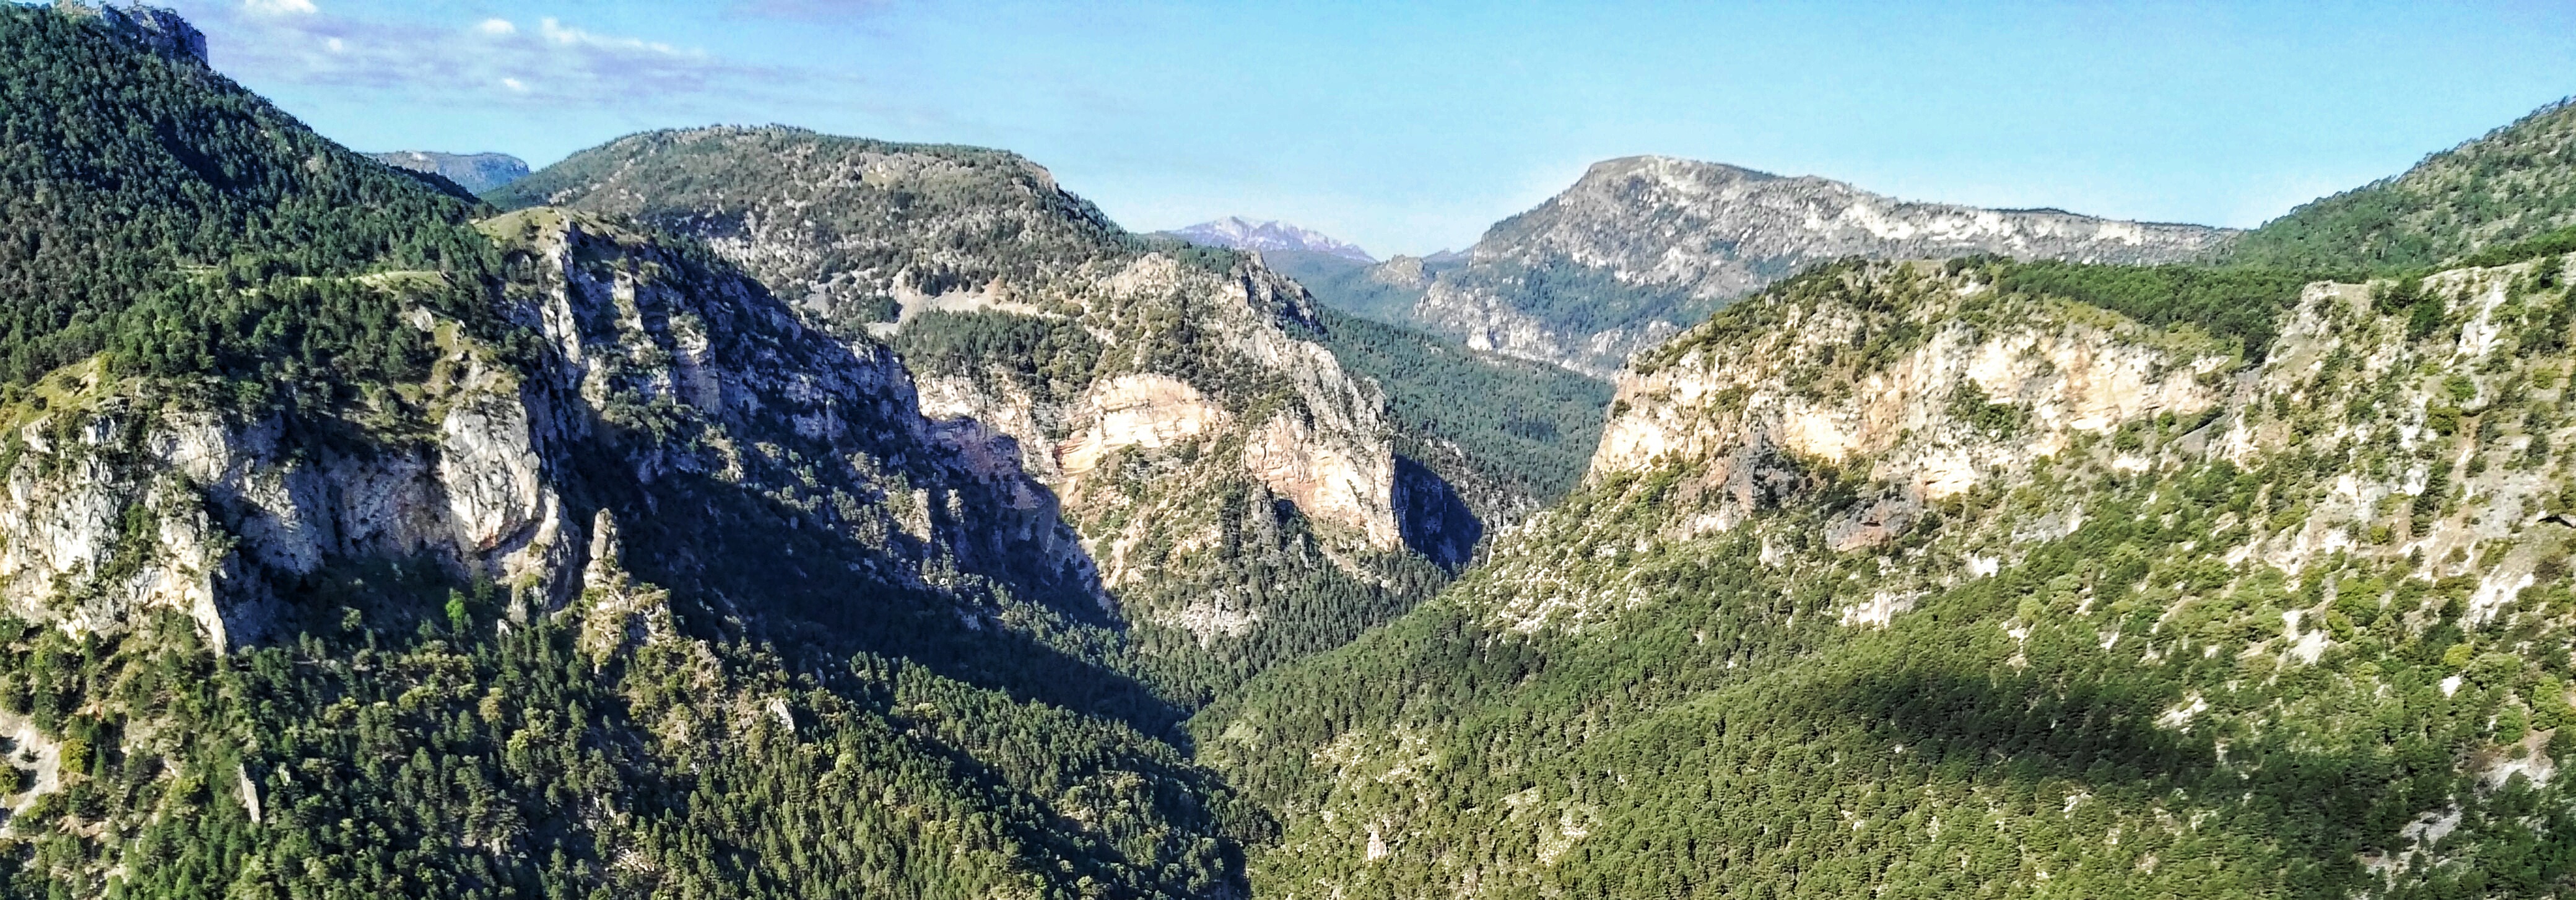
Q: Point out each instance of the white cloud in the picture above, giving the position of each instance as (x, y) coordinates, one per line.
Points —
(568, 36)
(810, 10)
(545, 63)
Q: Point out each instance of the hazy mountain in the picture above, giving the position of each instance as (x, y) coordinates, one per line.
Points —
(475, 172)
(1245, 234)
(2513, 184)
(1642, 244)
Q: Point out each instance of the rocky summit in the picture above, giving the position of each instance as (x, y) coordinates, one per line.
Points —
(1641, 246)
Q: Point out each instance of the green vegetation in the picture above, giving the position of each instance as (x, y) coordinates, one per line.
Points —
(150, 207)
(1351, 286)
(397, 752)
(2165, 700)
(1520, 432)
(1579, 299)
(2512, 184)
(2238, 304)
(2555, 243)
(1053, 352)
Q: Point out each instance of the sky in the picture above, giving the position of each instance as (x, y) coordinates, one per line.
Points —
(1411, 127)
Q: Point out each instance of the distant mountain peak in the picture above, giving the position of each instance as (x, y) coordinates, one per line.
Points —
(477, 172)
(1245, 234)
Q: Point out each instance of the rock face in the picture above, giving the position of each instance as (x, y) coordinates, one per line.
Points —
(1640, 244)
(159, 30)
(477, 172)
(1965, 403)
(124, 497)
(1860, 527)
(1902, 386)
(1172, 396)
(126, 501)
(1244, 234)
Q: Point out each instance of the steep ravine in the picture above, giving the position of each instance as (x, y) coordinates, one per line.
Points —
(671, 476)
(1236, 486)
(1884, 549)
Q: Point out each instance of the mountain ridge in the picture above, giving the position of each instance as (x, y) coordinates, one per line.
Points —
(475, 172)
(1239, 233)
(1640, 244)
(2513, 183)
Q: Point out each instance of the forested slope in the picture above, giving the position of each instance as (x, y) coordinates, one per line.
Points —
(359, 547)
(1510, 435)
(2512, 184)
(1896, 581)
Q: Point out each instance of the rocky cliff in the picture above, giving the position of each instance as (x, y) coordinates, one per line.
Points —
(1171, 395)
(1892, 530)
(127, 495)
(1640, 245)
(653, 455)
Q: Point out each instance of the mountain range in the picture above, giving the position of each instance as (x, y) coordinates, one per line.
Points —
(475, 172)
(757, 512)
(1243, 234)
(1642, 245)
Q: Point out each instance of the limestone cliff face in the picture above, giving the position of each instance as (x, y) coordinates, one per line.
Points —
(1865, 404)
(1835, 413)
(1640, 244)
(1147, 411)
(803, 221)
(125, 496)
(1973, 398)
(124, 499)
(1169, 395)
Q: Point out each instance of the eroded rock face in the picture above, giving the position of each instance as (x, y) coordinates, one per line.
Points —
(1972, 400)
(1146, 410)
(159, 30)
(770, 406)
(126, 504)
(124, 499)
(1190, 352)
(1172, 397)
(1323, 478)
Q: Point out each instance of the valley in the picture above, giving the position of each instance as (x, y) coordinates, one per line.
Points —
(751, 511)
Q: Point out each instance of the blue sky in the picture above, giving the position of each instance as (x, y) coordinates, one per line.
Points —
(1409, 127)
